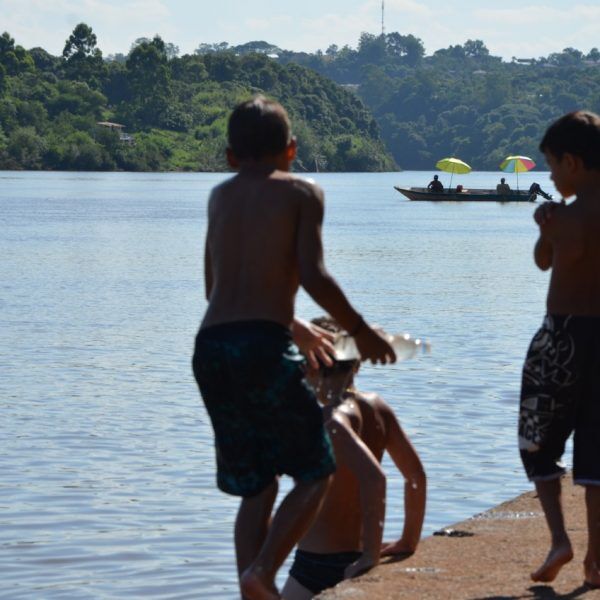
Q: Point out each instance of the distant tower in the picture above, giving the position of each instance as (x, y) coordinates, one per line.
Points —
(382, 17)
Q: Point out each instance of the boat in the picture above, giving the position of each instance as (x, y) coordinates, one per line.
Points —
(466, 195)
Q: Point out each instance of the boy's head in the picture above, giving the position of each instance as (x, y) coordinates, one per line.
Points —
(258, 130)
(576, 133)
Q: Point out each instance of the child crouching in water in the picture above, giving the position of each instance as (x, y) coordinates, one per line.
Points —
(346, 537)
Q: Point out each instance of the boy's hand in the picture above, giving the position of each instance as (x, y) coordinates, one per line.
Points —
(399, 547)
(543, 213)
(314, 342)
(373, 346)
(360, 566)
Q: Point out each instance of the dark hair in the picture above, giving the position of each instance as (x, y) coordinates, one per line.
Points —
(577, 133)
(328, 323)
(338, 366)
(258, 128)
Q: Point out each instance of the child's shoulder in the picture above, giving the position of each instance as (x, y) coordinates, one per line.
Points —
(561, 217)
(582, 211)
(223, 186)
(371, 401)
(302, 185)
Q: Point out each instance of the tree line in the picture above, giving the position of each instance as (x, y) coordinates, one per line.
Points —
(460, 101)
(375, 107)
(174, 108)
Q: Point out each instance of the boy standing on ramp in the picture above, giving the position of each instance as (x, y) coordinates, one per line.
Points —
(263, 242)
(560, 390)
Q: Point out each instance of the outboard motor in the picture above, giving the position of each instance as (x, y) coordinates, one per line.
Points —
(535, 190)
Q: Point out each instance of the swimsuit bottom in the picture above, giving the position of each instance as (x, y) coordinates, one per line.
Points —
(317, 572)
(560, 393)
(265, 416)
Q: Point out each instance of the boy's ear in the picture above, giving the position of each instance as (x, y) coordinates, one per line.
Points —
(292, 148)
(572, 162)
(233, 162)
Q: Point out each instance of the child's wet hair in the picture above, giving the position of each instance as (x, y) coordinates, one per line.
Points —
(258, 128)
(576, 133)
(338, 366)
(329, 324)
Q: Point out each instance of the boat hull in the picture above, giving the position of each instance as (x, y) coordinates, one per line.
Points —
(466, 195)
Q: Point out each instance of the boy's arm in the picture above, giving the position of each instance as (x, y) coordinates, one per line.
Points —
(323, 288)
(208, 275)
(543, 253)
(407, 460)
(546, 215)
(352, 452)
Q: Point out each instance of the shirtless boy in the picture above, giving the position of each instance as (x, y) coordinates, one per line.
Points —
(263, 242)
(345, 538)
(561, 378)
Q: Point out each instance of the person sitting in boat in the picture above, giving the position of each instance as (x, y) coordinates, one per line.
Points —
(435, 185)
(503, 188)
(459, 188)
(535, 190)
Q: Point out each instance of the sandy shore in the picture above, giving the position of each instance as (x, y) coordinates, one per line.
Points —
(490, 556)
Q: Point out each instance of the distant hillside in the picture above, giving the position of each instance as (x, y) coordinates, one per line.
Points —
(174, 109)
(390, 104)
(460, 101)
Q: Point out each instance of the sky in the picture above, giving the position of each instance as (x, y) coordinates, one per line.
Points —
(511, 28)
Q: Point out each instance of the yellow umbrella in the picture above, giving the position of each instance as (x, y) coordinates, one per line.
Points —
(453, 165)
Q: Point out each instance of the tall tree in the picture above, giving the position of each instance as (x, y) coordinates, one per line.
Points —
(476, 49)
(371, 48)
(149, 80)
(15, 59)
(83, 60)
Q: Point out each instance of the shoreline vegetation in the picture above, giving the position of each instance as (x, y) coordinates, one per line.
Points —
(380, 107)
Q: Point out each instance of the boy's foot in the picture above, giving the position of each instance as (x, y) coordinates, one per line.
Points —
(253, 587)
(557, 557)
(592, 575)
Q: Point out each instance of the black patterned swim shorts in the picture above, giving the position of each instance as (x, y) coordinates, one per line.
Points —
(265, 416)
(560, 393)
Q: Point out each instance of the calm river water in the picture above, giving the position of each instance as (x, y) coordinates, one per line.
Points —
(107, 487)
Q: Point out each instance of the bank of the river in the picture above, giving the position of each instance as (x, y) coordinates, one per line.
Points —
(492, 559)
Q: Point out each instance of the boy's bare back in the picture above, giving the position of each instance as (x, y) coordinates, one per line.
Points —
(573, 252)
(264, 226)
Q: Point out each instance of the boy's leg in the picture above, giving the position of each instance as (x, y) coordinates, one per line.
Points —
(293, 518)
(292, 590)
(592, 558)
(252, 525)
(549, 493)
(550, 388)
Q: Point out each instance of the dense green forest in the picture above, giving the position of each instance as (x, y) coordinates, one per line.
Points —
(459, 101)
(174, 109)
